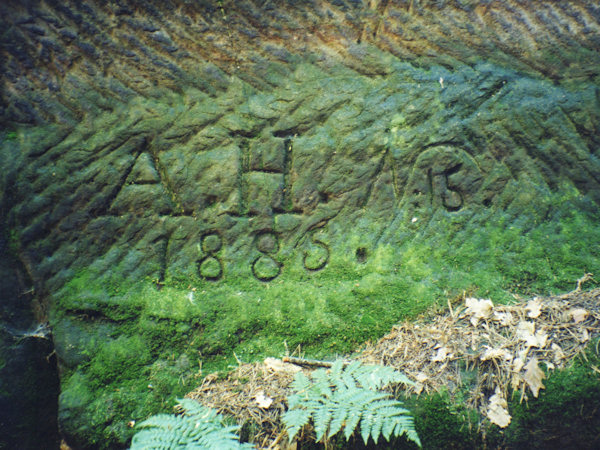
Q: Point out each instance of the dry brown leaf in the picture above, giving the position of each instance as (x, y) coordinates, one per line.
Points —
(525, 329)
(534, 376)
(517, 364)
(478, 309)
(539, 340)
(441, 355)
(505, 318)
(519, 361)
(497, 409)
(495, 353)
(262, 400)
(578, 314)
(534, 308)
(421, 377)
(419, 385)
(558, 354)
(515, 381)
(526, 332)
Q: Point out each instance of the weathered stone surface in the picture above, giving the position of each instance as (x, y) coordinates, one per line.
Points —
(189, 177)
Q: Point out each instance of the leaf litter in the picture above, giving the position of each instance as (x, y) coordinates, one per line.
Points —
(489, 350)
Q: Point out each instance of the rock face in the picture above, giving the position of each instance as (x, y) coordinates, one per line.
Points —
(28, 373)
(185, 179)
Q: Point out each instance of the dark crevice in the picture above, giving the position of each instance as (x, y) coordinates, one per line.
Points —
(287, 133)
(270, 171)
(243, 167)
(361, 255)
(29, 373)
(243, 133)
(453, 170)
(287, 183)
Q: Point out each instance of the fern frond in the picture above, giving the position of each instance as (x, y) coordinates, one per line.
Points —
(321, 419)
(322, 383)
(336, 369)
(154, 439)
(337, 421)
(348, 379)
(376, 377)
(366, 426)
(343, 398)
(294, 420)
(196, 411)
(301, 383)
(197, 427)
(354, 415)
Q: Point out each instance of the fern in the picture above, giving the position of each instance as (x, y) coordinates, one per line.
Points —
(197, 427)
(341, 398)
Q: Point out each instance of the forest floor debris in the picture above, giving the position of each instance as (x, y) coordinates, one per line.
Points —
(487, 350)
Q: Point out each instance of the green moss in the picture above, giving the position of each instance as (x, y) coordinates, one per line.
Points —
(442, 424)
(11, 135)
(119, 359)
(101, 412)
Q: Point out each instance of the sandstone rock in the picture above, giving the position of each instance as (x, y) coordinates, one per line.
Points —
(285, 161)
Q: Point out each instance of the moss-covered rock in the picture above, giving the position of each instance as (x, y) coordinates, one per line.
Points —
(188, 180)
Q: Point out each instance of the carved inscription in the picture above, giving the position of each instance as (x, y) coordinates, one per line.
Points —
(317, 256)
(264, 179)
(445, 177)
(442, 177)
(264, 188)
(265, 191)
(211, 267)
(442, 188)
(266, 267)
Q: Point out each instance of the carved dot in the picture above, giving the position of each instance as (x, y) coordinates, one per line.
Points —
(267, 243)
(211, 243)
(361, 255)
(265, 268)
(211, 268)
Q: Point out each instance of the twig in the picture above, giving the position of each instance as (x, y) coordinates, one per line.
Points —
(308, 362)
(583, 279)
(450, 308)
